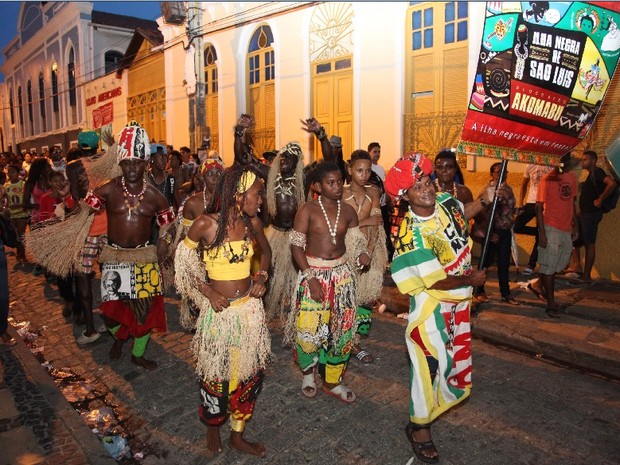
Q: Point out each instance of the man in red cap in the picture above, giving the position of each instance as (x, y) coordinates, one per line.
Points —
(432, 263)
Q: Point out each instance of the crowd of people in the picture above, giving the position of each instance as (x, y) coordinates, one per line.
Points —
(159, 221)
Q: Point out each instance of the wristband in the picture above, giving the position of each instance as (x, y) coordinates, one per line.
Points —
(239, 131)
(321, 134)
(262, 273)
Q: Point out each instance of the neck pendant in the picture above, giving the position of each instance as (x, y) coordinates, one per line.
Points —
(332, 231)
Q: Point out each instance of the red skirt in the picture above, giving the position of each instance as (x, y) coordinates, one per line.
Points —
(118, 311)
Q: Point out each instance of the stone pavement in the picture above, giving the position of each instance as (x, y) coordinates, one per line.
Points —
(157, 410)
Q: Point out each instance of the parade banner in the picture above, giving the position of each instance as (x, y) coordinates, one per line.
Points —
(543, 71)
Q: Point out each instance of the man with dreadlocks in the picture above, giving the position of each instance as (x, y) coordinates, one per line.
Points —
(231, 343)
(131, 204)
(285, 194)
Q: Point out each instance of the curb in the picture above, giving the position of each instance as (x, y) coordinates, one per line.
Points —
(577, 353)
(91, 446)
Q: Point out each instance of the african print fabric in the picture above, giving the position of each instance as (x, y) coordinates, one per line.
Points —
(324, 330)
(427, 251)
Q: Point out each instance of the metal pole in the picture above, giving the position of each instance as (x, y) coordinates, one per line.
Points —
(485, 246)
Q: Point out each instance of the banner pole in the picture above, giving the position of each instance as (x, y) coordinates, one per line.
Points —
(485, 245)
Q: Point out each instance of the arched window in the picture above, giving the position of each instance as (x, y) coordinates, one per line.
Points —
(211, 97)
(29, 97)
(71, 78)
(261, 88)
(42, 102)
(20, 102)
(12, 106)
(56, 106)
(112, 59)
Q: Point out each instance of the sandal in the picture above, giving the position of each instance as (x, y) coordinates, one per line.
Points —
(553, 312)
(419, 447)
(308, 385)
(340, 392)
(363, 356)
(510, 300)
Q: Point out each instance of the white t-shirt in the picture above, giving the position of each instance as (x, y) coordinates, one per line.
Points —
(534, 173)
(379, 170)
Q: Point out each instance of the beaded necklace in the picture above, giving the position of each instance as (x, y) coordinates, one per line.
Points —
(127, 195)
(245, 250)
(421, 221)
(453, 193)
(332, 231)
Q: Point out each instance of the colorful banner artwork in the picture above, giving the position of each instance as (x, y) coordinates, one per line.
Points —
(543, 71)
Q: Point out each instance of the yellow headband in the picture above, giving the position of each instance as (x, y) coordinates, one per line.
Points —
(245, 182)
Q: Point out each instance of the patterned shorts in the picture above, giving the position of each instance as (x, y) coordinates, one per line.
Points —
(92, 247)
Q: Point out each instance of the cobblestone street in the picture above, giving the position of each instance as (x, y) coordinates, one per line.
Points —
(522, 410)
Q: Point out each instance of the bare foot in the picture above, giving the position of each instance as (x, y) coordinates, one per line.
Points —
(253, 448)
(214, 443)
(144, 363)
(117, 350)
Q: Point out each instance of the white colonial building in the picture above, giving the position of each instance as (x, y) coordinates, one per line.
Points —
(59, 48)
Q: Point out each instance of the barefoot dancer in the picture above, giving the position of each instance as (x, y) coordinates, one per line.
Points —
(132, 204)
(432, 264)
(366, 200)
(232, 342)
(322, 322)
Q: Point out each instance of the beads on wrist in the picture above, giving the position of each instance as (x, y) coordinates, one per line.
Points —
(308, 274)
(239, 131)
(321, 134)
(262, 273)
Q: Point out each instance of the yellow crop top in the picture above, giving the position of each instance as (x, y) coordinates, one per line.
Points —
(220, 269)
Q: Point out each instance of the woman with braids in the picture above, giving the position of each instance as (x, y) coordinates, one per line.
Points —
(195, 205)
(232, 342)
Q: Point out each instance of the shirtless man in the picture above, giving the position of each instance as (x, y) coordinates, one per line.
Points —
(322, 322)
(131, 205)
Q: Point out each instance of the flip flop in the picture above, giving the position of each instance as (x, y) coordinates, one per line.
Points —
(307, 381)
(340, 392)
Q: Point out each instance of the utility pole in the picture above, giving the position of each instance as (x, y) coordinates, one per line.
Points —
(197, 119)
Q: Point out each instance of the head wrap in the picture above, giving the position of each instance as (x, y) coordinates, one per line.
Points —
(406, 172)
(133, 143)
(211, 164)
(292, 148)
(245, 181)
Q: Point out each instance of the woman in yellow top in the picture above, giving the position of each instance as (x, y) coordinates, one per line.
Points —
(232, 342)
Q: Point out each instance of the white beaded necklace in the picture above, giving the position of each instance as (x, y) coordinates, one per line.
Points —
(332, 231)
(127, 195)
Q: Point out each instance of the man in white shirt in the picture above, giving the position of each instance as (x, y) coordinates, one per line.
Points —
(531, 178)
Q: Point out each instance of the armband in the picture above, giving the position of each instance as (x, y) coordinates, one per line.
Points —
(483, 202)
(239, 131)
(189, 243)
(185, 222)
(321, 134)
(297, 238)
(375, 211)
(94, 201)
(165, 217)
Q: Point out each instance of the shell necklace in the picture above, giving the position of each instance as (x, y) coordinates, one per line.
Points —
(127, 195)
(453, 193)
(332, 231)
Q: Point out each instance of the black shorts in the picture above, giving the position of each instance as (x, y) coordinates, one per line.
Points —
(588, 226)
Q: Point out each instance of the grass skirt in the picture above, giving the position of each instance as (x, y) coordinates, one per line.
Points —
(282, 284)
(370, 282)
(58, 245)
